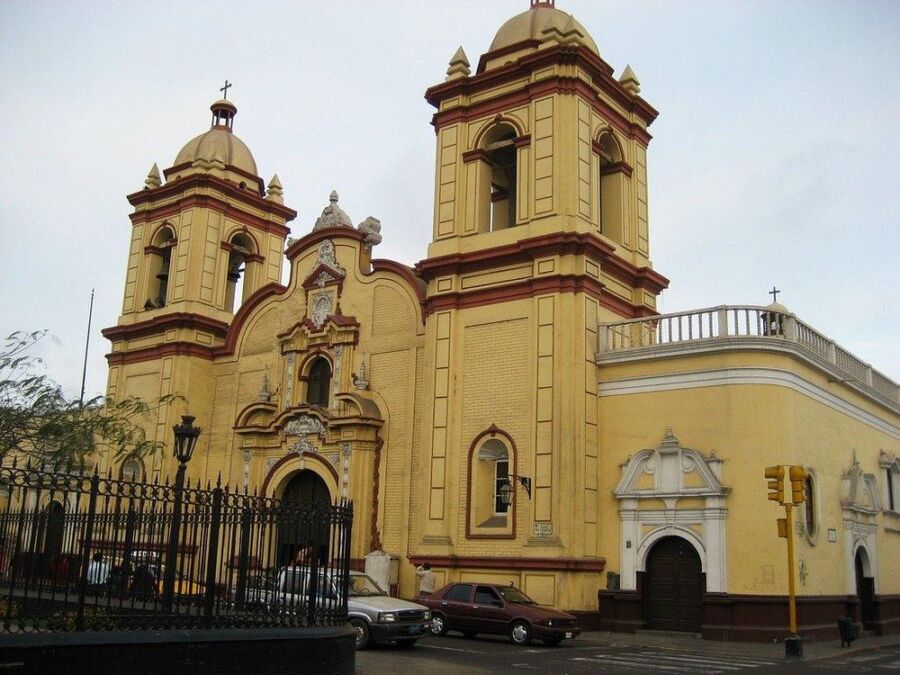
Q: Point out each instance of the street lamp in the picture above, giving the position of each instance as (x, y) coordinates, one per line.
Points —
(506, 490)
(185, 440)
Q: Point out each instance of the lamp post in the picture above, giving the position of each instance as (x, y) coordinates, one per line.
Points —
(185, 439)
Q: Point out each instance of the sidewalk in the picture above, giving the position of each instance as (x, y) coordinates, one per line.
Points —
(812, 651)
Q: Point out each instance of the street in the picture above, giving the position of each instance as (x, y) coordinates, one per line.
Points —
(488, 654)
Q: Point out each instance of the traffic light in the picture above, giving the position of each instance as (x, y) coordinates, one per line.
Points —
(798, 484)
(782, 528)
(775, 474)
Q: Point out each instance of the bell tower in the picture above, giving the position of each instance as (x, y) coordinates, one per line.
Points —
(543, 141)
(205, 237)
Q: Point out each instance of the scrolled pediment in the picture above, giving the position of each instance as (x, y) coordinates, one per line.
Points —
(670, 471)
(859, 490)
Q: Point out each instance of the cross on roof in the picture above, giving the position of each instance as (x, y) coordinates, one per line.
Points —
(225, 89)
(774, 293)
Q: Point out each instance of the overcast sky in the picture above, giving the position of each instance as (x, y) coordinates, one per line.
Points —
(774, 159)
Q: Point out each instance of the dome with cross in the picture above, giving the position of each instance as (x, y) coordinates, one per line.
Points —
(219, 144)
(542, 22)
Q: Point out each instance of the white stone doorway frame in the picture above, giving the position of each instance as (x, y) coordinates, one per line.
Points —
(668, 474)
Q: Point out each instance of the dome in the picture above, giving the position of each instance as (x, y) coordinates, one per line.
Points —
(531, 25)
(219, 142)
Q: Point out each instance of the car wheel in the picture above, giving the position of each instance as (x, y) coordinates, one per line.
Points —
(469, 633)
(405, 644)
(438, 624)
(552, 642)
(362, 633)
(520, 633)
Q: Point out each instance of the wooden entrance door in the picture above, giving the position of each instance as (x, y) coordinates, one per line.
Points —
(675, 586)
(865, 591)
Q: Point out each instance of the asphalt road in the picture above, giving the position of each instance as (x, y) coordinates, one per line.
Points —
(487, 654)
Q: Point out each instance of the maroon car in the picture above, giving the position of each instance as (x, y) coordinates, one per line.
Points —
(473, 608)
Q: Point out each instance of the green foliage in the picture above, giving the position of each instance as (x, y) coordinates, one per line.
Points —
(37, 420)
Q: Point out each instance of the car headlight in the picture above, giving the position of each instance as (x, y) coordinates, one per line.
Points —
(387, 617)
(428, 616)
(549, 622)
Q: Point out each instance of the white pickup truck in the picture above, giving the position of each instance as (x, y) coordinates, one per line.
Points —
(376, 616)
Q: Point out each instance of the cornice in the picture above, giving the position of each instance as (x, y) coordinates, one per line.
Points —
(160, 324)
(599, 70)
(551, 244)
(516, 563)
(176, 188)
(158, 352)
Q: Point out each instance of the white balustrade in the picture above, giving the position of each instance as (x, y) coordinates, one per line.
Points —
(746, 321)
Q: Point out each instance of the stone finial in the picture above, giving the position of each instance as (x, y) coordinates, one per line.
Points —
(571, 35)
(371, 227)
(459, 66)
(264, 394)
(332, 215)
(629, 81)
(153, 179)
(275, 192)
(361, 381)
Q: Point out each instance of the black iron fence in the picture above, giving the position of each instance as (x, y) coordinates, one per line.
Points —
(96, 553)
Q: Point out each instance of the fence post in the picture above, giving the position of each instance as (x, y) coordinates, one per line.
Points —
(243, 565)
(86, 542)
(212, 556)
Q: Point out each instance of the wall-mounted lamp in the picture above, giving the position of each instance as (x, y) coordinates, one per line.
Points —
(506, 490)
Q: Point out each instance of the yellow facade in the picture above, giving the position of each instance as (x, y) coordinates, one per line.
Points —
(517, 353)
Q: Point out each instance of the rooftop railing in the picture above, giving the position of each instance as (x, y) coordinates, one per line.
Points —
(685, 330)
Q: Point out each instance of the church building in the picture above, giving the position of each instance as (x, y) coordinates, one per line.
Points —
(512, 408)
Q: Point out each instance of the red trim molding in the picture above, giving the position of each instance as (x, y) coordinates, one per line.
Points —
(159, 352)
(616, 167)
(307, 241)
(166, 322)
(507, 563)
(529, 249)
(254, 301)
(477, 155)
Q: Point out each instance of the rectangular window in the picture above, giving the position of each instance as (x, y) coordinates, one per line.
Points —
(501, 478)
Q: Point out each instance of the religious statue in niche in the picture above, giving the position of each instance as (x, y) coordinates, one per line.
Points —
(321, 308)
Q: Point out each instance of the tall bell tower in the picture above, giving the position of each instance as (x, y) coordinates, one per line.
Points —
(543, 141)
(540, 234)
(205, 237)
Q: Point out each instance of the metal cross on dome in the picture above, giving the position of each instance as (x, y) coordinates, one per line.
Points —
(225, 89)
(774, 293)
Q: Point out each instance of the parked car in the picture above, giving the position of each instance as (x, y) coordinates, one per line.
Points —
(375, 615)
(473, 608)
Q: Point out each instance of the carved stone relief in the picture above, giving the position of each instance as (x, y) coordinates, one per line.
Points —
(322, 307)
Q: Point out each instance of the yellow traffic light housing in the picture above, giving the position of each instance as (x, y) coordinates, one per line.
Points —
(775, 474)
(798, 484)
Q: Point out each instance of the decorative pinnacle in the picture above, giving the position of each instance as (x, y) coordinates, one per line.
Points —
(333, 197)
(629, 81)
(153, 178)
(459, 65)
(275, 191)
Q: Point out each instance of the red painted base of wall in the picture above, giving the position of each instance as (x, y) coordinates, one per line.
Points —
(757, 618)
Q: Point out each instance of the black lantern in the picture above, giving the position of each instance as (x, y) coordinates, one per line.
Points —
(185, 438)
(505, 492)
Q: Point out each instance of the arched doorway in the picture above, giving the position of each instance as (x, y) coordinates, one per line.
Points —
(308, 491)
(865, 587)
(675, 586)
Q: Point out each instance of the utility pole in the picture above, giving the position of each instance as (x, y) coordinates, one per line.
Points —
(793, 645)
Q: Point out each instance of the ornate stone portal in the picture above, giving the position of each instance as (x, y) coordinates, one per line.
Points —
(860, 505)
(668, 474)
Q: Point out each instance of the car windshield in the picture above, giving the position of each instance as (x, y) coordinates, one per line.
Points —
(360, 584)
(516, 596)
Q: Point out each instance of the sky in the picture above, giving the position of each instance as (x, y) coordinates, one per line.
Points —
(775, 159)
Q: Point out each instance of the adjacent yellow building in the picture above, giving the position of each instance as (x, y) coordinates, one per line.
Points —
(512, 408)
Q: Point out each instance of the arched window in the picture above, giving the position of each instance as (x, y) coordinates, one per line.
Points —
(499, 173)
(492, 497)
(610, 196)
(160, 252)
(318, 383)
(240, 255)
(809, 489)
